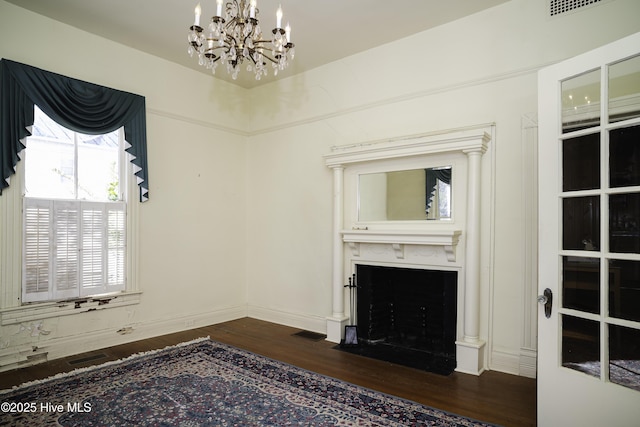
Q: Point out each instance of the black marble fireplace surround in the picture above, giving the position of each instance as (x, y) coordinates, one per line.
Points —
(407, 316)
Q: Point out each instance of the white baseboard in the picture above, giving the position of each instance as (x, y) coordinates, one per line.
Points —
(55, 348)
(503, 361)
(528, 362)
(295, 320)
(523, 363)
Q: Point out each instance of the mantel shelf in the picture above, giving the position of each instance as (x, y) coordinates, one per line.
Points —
(447, 239)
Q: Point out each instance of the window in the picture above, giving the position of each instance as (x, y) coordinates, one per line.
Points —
(87, 108)
(74, 216)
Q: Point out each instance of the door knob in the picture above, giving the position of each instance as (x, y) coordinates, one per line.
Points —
(546, 299)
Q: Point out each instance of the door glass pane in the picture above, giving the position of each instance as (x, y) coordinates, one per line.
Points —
(581, 101)
(624, 289)
(581, 163)
(624, 157)
(624, 223)
(581, 283)
(624, 356)
(581, 345)
(581, 223)
(624, 88)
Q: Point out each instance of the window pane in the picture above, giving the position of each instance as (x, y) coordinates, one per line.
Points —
(624, 356)
(624, 157)
(624, 223)
(51, 163)
(581, 163)
(581, 223)
(581, 101)
(46, 128)
(581, 345)
(624, 289)
(581, 284)
(49, 169)
(98, 167)
(624, 87)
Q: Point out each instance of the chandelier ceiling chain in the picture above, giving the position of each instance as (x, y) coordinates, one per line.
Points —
(236, 38)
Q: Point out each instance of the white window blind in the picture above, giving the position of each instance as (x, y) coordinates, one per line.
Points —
(37, 238)
(73, 248)
(66, 248)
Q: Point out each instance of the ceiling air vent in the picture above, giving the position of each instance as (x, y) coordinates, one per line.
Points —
(556, 7)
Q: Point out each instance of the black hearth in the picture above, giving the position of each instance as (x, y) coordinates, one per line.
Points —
(407, 316)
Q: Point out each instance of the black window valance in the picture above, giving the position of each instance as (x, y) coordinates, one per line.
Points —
(77, 105)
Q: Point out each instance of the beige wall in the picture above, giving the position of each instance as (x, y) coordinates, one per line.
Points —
(246, 218)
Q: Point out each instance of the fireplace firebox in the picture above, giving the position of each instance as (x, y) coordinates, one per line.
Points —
(407, 316)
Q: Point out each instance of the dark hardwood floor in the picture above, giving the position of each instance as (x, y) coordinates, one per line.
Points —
(494, 397)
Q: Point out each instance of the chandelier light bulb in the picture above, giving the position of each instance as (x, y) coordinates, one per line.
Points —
(198, 12)
(279, 17)
(219, 8)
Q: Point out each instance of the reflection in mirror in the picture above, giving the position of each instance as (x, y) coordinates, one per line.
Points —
(624, 87)
(418, 194)
(581, 101)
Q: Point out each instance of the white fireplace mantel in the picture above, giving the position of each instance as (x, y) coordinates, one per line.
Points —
(447, 240)
(472, 143)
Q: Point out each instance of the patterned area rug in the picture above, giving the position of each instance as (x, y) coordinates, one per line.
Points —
(206, 383)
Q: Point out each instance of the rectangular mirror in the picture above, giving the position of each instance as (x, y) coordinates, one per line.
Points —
(409, 195)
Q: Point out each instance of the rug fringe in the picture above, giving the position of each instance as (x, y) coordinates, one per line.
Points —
(102, 365)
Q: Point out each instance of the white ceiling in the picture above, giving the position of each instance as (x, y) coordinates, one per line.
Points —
(322, 30)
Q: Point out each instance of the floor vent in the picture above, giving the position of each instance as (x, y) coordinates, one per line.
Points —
(310, 335)
(91, 358)
(557, 7)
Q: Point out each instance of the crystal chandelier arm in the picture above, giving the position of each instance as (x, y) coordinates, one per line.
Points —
(215, 45)
(269, 58)
(262, 55)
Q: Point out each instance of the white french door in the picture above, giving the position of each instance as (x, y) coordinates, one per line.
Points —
(589, 239)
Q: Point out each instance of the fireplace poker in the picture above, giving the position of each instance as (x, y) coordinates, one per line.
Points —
(351, 331)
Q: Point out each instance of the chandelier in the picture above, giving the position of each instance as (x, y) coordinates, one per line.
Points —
(236, 38)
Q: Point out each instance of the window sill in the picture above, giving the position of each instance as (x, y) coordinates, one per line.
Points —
(47, 310)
